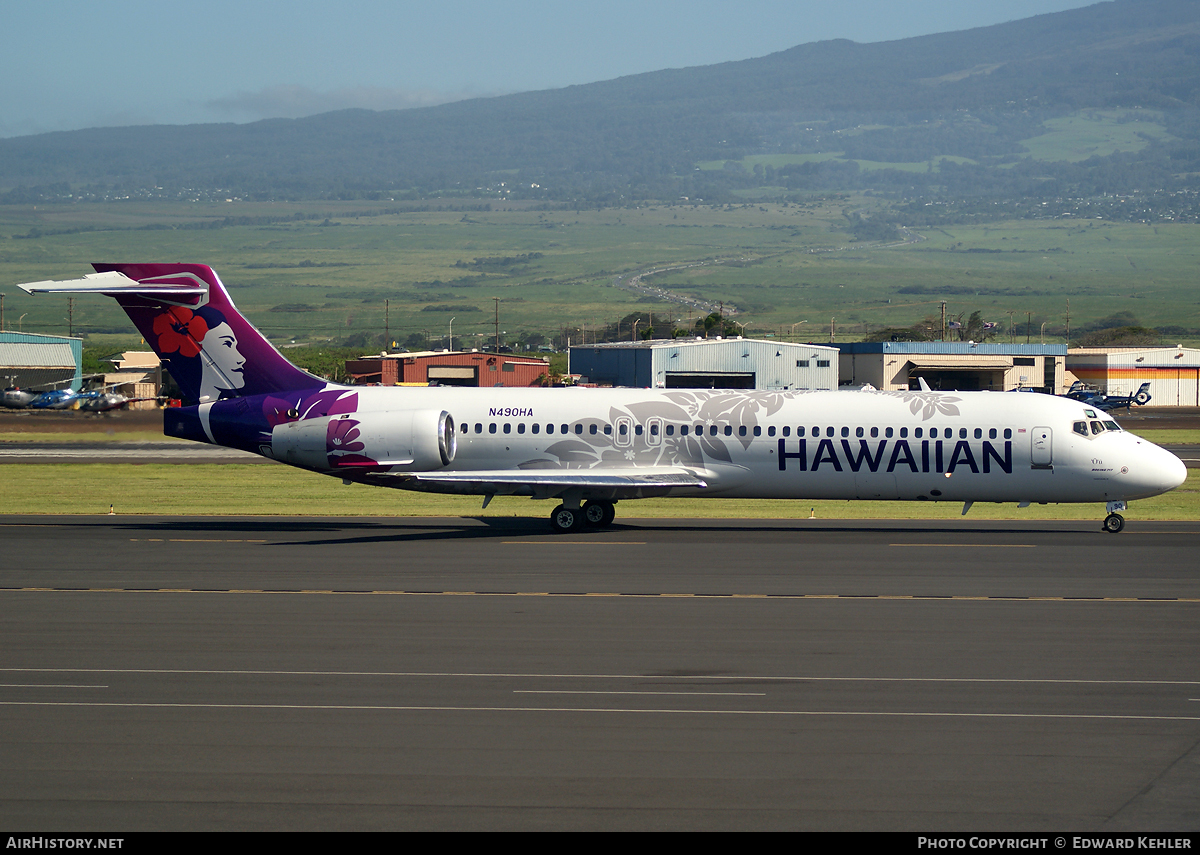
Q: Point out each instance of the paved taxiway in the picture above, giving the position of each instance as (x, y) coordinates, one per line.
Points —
(175, 673)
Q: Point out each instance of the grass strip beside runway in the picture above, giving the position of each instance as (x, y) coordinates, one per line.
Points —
(207, 489)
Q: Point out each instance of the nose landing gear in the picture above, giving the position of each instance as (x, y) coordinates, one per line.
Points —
(1114, 522)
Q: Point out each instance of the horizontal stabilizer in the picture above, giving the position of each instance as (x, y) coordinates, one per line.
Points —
(114, 283)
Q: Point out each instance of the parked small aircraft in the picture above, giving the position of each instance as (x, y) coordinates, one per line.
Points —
(589, 448)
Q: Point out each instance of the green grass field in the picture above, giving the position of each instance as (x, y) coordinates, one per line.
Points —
(45, 489)
(779, 264)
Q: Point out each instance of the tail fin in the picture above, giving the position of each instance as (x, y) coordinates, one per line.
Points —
(185, 314)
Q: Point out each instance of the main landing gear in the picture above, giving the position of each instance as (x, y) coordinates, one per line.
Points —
(591, 515)
(1114, 522)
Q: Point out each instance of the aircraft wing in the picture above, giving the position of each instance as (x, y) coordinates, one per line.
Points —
(546, 483)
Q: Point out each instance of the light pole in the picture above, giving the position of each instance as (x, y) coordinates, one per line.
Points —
(452, 335)
(798, 323)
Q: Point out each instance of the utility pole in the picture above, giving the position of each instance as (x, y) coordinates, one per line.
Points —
(1068, 322)
(832, 329)
(387, 329)
(1028, 324)
(943, 338)
(71, 316)
(497, 299)
(1, 311)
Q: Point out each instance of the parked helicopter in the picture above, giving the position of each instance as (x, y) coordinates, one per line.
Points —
(1091, 396)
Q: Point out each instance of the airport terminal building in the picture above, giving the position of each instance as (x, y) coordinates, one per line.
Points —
(958, 366)
(730, 363)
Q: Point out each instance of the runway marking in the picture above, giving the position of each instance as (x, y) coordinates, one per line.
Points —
(667, 711)
(662, 595)
(600, 692)
(786, 678)
(47, 686)
(190, 540)
(577, 542)
(974, 545)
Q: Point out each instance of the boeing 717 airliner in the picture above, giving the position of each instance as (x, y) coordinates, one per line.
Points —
(590, 448)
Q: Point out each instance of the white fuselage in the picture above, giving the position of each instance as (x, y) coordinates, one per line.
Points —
(954, 446)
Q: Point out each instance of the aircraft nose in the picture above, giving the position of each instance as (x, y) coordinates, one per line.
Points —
(1166, 471)
(1175, 470)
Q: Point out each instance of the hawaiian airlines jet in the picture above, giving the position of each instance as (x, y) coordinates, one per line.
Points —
(590, 448)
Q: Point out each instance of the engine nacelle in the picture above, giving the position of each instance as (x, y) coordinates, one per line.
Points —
(409, 440)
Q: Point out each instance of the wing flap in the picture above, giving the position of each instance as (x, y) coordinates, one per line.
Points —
(547, 483)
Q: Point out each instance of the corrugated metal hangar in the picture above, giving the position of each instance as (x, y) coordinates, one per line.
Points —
(958, 366)
(1173, 372)
(34, 361)
(731, 363)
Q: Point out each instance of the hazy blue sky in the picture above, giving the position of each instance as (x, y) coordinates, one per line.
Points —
(67, 64)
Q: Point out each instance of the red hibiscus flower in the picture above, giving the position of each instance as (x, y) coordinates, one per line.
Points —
(180, 330)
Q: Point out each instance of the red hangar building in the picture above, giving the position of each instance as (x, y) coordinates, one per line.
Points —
(448, 368)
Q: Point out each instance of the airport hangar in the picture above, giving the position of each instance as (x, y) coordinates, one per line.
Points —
(1173, 372)
(954, 366)
(35, 361)
(720, 363)
(448, 368)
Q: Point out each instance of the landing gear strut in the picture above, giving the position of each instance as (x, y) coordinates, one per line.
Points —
(1114, 522)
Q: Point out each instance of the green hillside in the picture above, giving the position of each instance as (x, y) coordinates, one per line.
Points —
(1093, 101)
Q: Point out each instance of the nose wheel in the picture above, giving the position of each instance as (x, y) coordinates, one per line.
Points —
(1113, 523)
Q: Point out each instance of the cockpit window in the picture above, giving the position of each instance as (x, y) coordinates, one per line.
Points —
(1097, 428)
(1112, 425)
(1080, 428)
